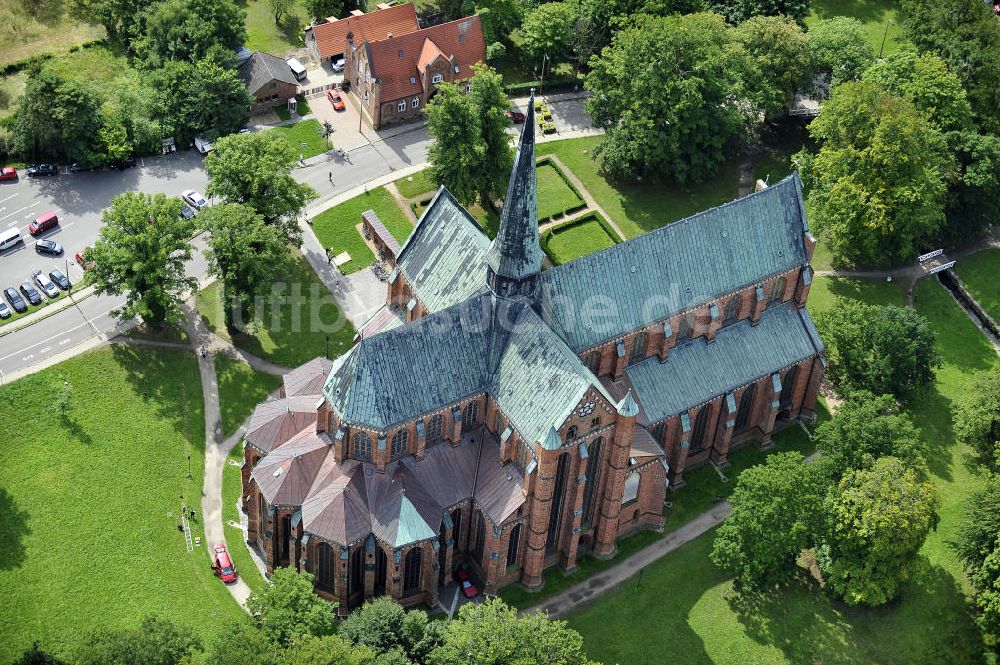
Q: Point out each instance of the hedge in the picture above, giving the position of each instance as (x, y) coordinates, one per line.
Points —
(25, 63)
(579, 221)
(560, 84)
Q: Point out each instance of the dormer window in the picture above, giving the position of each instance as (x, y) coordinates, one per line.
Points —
(437, 78)
(413, 80)
(461, 39)
(456, 69)
(400, 54)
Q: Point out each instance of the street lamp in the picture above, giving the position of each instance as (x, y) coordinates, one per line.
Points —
(327, 347)
(541, 79)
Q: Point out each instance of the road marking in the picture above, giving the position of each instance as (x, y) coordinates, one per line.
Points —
(22, 209)
(28, 357)
(46, 349)
(65, 341)
(8, 198)
(39, 343)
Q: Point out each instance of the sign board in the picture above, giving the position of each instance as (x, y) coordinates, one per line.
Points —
(940, 268)
(929, 255)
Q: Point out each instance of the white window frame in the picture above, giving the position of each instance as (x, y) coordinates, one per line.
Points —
(631, 490)
(415, 103)
(401, 106)
(437, 78)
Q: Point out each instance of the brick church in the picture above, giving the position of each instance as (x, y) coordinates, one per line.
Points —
(509, 419)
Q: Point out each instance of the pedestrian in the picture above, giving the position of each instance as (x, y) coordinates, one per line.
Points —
(330, 176)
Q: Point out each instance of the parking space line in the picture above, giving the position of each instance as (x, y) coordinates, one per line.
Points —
(21, 210)
(8, 198)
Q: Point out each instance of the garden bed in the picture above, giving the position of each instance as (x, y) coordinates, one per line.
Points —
(578, 237)
(556, 194)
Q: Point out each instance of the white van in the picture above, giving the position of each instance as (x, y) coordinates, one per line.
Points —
(9, 238)
(297, 68)
(203, 146)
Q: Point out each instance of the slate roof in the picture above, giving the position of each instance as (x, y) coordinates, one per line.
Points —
(461, 40)
(331, 38)
(261, 68)
(308, 379)
(653, 276)
(698, 371)
(444, 257)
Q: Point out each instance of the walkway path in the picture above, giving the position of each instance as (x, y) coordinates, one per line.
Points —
(579, 595)
(585, 193)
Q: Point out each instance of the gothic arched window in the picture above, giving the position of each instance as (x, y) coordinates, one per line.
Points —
(399, 442)
(363, 446)
(411, 572)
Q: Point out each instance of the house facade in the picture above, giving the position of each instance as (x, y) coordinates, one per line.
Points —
(507, 419)
(268, 79)
(328, 41)
(393, 78)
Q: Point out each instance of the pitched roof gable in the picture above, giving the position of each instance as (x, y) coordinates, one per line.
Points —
(331, 38)
(689, 262)
(261, 68)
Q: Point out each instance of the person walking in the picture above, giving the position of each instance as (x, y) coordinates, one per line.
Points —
(330, 176)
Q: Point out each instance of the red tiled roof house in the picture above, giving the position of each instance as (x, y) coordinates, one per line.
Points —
(395, 77)
(329, 40)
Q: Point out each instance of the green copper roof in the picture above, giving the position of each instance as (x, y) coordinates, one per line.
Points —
(628, 407)
(552, 440)
(515, 252)
(411, 527)
(699, 371)
(692, 261)
(444, 257)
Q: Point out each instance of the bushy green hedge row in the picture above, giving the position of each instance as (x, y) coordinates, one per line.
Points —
(26, 63)
(580, 221)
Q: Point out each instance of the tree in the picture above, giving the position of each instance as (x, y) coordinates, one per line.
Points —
(986, 580)
(882, 349)
(242, 642)
(495, 52)
(689, 73)
(738, 11)
(122, 19)
(976, 418)
(499, 18)
(155, 641)
(188, 29)
(974, 193)
(201, 98)
(866, 428)
(326, 650)
(58, 119)
(776, 512)
(779, 52)
(320, 9)
(547, 30)
(966, 34)
(245, 253)
(288, 608)
(879, 518)
(279, 8)
(35, 656)
(254, 169)
(471, 152)
(978, 532)
(839, 49)
(877, 186)
(141, 252)
(377, 624)
(496, 635)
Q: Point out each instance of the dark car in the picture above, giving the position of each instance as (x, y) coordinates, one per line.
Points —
(77, 167)
(48, 247)
(15, 299)
(187, 212)
(122, 164)
(516, 117)
(61, 280)
(42, 169)
(31, 293)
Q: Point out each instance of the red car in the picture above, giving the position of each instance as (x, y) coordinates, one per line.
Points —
(516, 117)
(81, 260)
(222, 565)
(468, 588)
(334, 97)
(8, 173)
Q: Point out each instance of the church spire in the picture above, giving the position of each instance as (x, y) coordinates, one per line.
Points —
(515, 257)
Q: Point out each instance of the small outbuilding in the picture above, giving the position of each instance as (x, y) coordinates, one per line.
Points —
(269, 80)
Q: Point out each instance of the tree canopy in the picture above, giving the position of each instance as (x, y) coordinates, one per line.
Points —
(58, 119)
(155, 641)
(879, 519)
(321, 9)
(741, 10)
(839, 49)
(141, 251)
(882, 349)
(976, 419)
(188, 29)
(779, 55)
(289, 609)
(203, 98)
(979, 529)
(776, 512)
(876, 187)
(547, 30)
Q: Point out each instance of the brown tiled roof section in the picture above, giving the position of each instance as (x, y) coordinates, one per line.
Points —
(462, 39)
(643, 444)
(286, 475)
(308, 379)
(428, 53)
(331, 38)
(275, 422)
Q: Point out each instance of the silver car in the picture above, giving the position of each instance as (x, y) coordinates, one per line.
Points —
(45, 284)
(194, 199)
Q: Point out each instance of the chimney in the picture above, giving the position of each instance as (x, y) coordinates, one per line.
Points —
(389, 36)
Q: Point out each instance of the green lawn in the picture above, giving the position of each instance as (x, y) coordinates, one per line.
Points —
(264, 35)
(414, 185)
(294, 327)
(708, 622)
(575, 239)
(29, 29)
(241, 388)
(876, 15)
(304, 131)
(554, 195)
(301, 108)
(778, 144)
(979, 274)
(336, 227)
(232, 486)
(11, 89)
(640, 207)
(825, 291)
(89, 500)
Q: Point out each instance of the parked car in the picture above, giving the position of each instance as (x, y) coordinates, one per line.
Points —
(516, 117)
(61, 280)
(45, 284)
(338, 64)
(43, 222)
(334, 97)
(15, 299)
(42, 169)
(48, 247)
(5, 312)
(33, 296)
(81, 259)
(194, 199)
(187, 212)
(8, 173)
(203, 145)
(77, 167)
(468, 588)
(122, 164)
(222, 565)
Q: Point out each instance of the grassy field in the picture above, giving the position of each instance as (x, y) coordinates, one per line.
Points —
(876, 15)
(640, 207)
(979, 274)
(301, 108)
(32, 28)
(575, 239)
(307, 132)
(708, 622)
(336, 230)
(89, 499)
(264, 35)
(414, 185)
(232, 486)
(294, 327)
(554, 195)
(241, 388)
(11, 89)
(825, 291)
